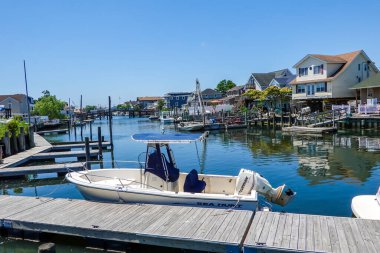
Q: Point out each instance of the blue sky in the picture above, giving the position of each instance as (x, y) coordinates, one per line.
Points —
(144, 48)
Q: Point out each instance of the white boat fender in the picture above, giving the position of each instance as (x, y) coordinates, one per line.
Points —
(249, 180)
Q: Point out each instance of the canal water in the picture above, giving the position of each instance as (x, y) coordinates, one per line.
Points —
(326, 171)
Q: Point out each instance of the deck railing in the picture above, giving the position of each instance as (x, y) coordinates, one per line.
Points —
(368, 109)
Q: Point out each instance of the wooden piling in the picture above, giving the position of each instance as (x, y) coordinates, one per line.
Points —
(91, 130)
(21, 139)
(31, 137)
(100, 146)
(87, 148)
(110, 119)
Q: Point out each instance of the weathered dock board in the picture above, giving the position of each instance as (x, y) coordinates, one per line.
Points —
(313, 130)
(64, 154)
(286, 232)
(214, 230)
(41, 145)
(60, 147)
(56, 131)
(40, 169)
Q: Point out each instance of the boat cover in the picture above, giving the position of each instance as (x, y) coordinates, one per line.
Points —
(166, 138)
(156, 167)
(193, 184)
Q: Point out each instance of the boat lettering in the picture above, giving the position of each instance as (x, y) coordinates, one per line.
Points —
(219, 205)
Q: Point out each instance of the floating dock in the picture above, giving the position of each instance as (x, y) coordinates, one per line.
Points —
(41, 169)
(309, 130)
(69, 146)
(286, 232)
(56, 131)
(185, 227)
(63, 154)
(194, 228)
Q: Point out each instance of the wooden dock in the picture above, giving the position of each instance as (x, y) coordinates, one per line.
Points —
(56, 131)
(195, 228)
(309, 130)
(286, 232)
(61, 147)
(63, 154)
(42, 145)
(40, 169)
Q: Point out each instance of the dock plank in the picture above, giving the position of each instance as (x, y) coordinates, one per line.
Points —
(116, 222)
(63, 154)
(41, 169)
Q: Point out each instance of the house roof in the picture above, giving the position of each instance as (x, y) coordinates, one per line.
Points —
(236, 88)
(210, 92)
(18, 97)
(329, 58)
(149, 98)
(347, 57)
(178, 93)
(371, 82)
(264, 79)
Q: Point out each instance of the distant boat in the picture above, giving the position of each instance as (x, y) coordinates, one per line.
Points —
(159, 181)
(154, 117)
(366, 206)
(166, 118)
(190, 126)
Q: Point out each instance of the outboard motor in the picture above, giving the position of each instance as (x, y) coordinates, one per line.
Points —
(249, 180)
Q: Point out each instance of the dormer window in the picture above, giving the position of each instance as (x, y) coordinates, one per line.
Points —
(303, 71)
(318, 69)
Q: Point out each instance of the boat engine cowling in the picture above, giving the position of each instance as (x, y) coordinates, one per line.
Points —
(249, 180)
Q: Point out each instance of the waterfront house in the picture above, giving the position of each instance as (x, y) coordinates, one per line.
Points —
(325, 79)
(211, 96)
(176, 99)
(368, 94)
(282, 82)
(148, 102)
(260, 81)
(17, 104)
(234, 94)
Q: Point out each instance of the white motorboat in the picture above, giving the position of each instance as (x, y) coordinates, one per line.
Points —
(190, 126)
(166, 118)
(366, 206)
(159, 181)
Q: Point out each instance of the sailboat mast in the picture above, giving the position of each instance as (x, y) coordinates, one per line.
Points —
(198, 90)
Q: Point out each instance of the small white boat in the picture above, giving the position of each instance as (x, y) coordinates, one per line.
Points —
(366, 206)
(166, 118)
(190, 126)
(159, 181)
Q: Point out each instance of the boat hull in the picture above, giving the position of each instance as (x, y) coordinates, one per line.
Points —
(125, 196)
(366, 207)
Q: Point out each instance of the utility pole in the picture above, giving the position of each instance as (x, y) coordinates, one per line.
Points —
(27, 94)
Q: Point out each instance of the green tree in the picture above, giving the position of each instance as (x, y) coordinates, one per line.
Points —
(254, 94)
(224, 85)
(89, 108)
(49, 105)
(160, 104)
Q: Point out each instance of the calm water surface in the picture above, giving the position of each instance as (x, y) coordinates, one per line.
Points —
(325, 171)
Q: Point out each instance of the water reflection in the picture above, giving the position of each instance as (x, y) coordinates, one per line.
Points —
(322, 169)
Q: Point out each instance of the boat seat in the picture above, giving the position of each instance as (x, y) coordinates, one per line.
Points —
(193, 184)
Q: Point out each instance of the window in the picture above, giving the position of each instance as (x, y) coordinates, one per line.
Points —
(303, 71)
(177, 98)
(318, 69)
(300, 88)
(359, 66)
(321, 87)
(171, 98)
(9, 105)
(183, 98)
(176, 104)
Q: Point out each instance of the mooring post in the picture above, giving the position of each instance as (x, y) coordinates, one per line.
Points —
(91, 130)
(110, 119)
(87, 147)
(21, 139)
(7, 144)
(100, 146)
(31, 137)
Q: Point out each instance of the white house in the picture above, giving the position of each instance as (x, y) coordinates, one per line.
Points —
(330, 77)
(17, 103)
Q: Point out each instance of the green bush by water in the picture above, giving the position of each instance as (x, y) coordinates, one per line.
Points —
(13, 127)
